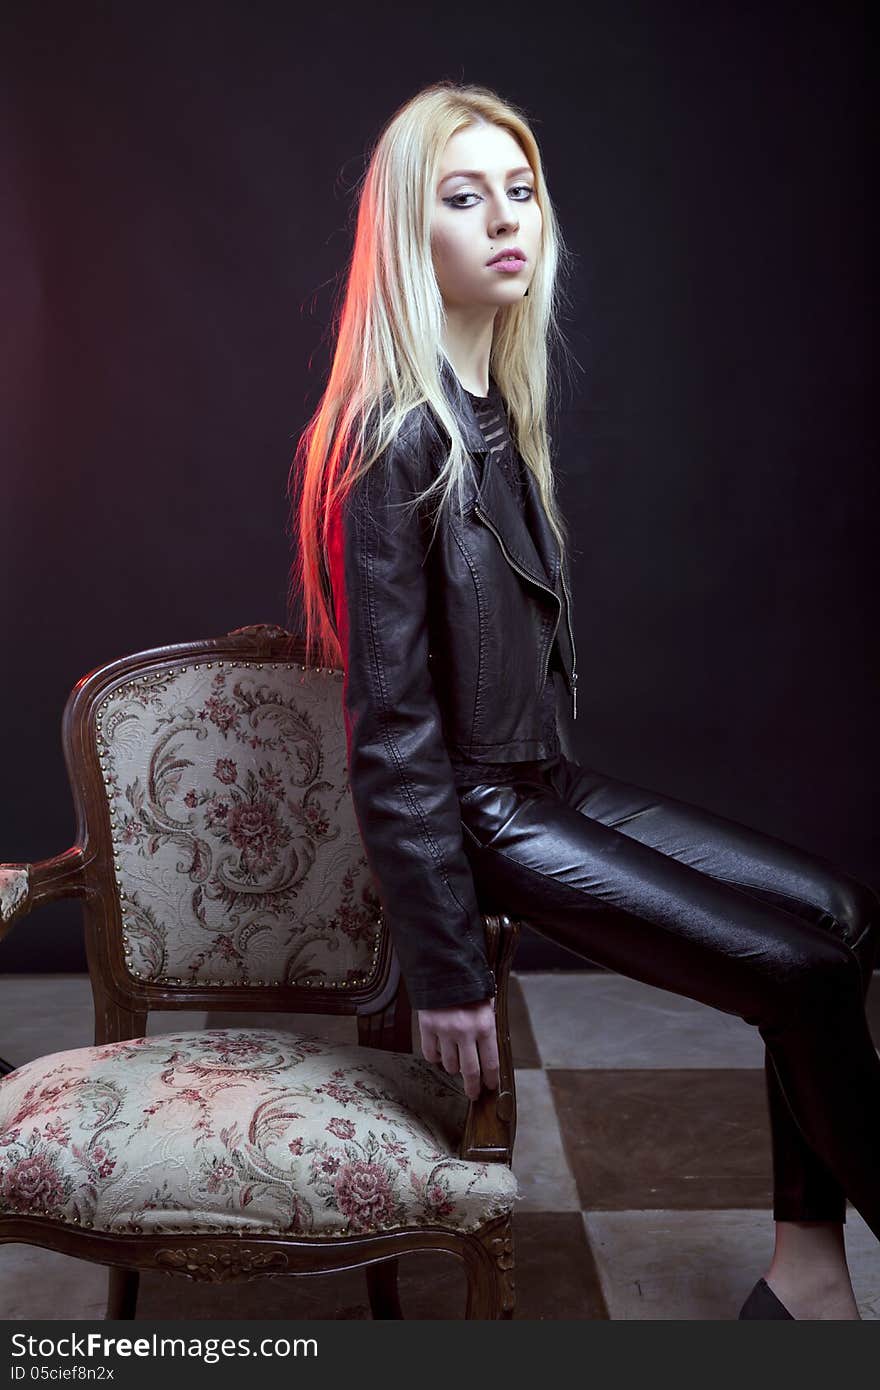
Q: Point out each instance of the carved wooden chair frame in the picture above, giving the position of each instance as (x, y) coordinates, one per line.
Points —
(122, 1003)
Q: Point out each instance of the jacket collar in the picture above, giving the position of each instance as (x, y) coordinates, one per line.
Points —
(528, 538)
(461, 404)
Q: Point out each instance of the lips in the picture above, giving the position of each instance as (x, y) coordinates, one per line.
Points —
(513, 254)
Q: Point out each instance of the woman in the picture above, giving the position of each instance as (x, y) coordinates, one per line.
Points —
(432, 567)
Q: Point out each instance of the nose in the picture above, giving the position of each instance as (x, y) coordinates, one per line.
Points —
(503, 224)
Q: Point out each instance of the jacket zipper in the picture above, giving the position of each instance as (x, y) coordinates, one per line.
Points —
(519, 569)
(574, 692)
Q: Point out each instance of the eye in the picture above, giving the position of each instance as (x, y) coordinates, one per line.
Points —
(524, 187)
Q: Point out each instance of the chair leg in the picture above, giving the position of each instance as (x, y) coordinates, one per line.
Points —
(491, 1291)
(382, 1289)
(122, 1293)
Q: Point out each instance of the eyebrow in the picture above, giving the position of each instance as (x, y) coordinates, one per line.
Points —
(476, 173)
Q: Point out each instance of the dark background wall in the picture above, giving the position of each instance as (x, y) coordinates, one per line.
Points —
(175, 184)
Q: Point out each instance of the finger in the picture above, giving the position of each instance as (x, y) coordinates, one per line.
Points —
(449, 1053)
(430, 1044)
(470, 1069)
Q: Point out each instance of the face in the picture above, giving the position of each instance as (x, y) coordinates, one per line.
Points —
(480, 213)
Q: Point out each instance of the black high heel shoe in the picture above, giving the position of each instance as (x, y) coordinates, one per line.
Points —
(763, 1303)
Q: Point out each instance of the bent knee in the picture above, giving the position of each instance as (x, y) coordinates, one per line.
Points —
(856, 909)
(823, 975)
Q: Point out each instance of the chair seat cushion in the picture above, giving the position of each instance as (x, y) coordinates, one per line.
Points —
(240, 1130)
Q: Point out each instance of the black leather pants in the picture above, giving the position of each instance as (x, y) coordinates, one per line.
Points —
(676, 896)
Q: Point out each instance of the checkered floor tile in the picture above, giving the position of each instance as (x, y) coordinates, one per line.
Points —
(642, 1155)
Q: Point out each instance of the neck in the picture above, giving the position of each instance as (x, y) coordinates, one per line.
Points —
(467, 342)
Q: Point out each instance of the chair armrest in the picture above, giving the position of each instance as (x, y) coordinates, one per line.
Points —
(26, 886)
(490, 1127)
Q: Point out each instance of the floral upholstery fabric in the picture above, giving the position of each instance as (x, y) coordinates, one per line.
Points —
(238, 857)
(240, 1130)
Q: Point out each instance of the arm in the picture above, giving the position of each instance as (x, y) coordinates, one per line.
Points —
(400, 776)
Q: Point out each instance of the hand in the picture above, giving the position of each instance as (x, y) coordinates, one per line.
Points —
(465, 1039)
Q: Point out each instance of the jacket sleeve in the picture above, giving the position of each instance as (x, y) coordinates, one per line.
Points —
(400, 776)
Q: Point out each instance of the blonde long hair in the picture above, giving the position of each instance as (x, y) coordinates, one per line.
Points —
(388, 334)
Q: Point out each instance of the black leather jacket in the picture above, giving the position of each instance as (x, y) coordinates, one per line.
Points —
(445, 649)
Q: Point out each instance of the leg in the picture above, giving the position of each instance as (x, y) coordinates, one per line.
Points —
(542, 849)
(772, 869)
(808, 1270)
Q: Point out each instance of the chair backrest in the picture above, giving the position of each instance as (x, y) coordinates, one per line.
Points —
(224, 865)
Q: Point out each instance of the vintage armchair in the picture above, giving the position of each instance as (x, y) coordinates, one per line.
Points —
(220, 867)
